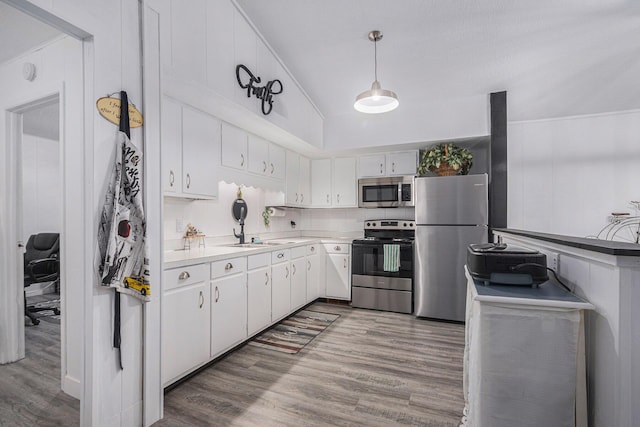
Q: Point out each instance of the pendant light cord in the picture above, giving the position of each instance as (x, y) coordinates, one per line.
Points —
(375, 59)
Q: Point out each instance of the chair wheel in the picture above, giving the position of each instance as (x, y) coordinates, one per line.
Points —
(56, 311)
(35, 322)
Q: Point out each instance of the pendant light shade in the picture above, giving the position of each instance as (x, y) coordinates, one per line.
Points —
(376, 100)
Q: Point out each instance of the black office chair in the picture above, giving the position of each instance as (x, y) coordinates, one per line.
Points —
(41, 264)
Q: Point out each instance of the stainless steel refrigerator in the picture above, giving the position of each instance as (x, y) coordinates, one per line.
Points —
(451, 213)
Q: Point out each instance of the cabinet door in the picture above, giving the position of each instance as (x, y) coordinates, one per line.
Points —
(171, 146)
(405, 163)
(258, 153)
(258, 299)
(338, 283)
(293, 169)
(186, 326)
(280, 291)
(277, 161)
(345, 183)
(313, 277)
(200, 148)
(304, 177)
(321, 182)
(228, 312)
(234, 147)
(372, 165)
(298, 283)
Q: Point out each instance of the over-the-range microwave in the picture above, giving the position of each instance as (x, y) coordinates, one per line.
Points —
(387, 192)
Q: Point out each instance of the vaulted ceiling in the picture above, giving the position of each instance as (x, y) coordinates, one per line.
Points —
(554, 57)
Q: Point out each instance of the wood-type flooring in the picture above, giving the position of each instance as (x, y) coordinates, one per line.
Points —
(368, 368)
(30, 392)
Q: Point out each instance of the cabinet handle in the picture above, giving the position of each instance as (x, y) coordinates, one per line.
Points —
(337, 248)
(296, 197)
(393, 167)
(280, 255)
(188, 180)
(345, 263)
(308, 265)
(228, 267)
(272, 169)
(172, 178)
(301, 198)
(241, 159)
(381, 166)
(313, 248)
(293, 267)
(201, 299)
(217, 294)
(264, 166)
(327, 198)
(184, 275)
(266, 278)
(286, 276)
(338, 196)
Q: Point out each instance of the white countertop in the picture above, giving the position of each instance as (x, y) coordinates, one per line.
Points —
(185, 257)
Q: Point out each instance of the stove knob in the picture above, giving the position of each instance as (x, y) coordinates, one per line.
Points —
(374, 224)
(411, 224)
(405, 224)
(368, 224)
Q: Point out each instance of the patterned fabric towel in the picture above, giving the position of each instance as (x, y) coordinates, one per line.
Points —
(391, 258)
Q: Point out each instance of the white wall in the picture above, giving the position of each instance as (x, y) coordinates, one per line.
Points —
(566, 175)
(41, 186)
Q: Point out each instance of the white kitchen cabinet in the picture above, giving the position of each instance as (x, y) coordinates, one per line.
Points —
(338, 271)
(200, 153)
(345, 182)
(234, 147)
(258, 299)
(280, 285)
(389, 164)
(190, 151)
(373, 165)
(265, 158)
(321, 192)
(171, 145)
(298, 180)
(298, 277)
(228, 304)
(186, 321)
(313, 272)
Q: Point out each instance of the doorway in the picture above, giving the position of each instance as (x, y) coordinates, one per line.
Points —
(42, 82)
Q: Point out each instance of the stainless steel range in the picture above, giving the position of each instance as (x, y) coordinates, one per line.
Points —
(382, 266)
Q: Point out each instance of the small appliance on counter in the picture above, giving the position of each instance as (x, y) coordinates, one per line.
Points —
(502, 264)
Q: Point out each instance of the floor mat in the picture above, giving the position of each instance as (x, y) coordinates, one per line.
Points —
(293, 333)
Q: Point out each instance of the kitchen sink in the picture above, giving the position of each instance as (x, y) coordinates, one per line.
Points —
(255, 244)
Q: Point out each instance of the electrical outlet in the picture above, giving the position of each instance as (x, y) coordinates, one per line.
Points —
(180, 227)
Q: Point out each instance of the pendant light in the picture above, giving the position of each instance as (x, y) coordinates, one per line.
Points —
(376, 100)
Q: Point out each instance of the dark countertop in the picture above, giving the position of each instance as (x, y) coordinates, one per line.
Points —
(596, 245)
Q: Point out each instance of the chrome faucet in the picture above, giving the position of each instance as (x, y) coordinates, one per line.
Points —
(241, 222)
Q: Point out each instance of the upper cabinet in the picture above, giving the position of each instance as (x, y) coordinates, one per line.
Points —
(234, 147)
(298, 180)
(334, 182)
(265, 158)
(190, 151)
(389, 164)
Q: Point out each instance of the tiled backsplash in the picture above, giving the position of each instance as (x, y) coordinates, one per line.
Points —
(213, 218)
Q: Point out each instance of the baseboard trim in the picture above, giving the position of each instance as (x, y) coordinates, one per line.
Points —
(71, 386)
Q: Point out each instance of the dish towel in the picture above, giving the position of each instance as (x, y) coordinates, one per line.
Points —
(391, 258)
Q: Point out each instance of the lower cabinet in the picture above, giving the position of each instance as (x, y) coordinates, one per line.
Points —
(258, 299)
(186, 329)
(313, 277)
(298, 283)
(338, 271)
(281, 291)
(228, 313)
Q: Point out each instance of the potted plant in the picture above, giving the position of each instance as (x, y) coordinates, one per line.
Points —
(446, 160)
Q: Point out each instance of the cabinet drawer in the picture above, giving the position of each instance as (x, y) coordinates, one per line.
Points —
(298, 252)
(280, 256)
(177, 277)
(228, 266)
(257, 261)
(337, 248)
(312, 249)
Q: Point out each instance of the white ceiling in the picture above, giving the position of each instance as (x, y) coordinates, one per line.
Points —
(554, 58)
(20, 33)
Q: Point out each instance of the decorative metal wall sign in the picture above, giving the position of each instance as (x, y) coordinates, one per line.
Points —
(265, 93)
